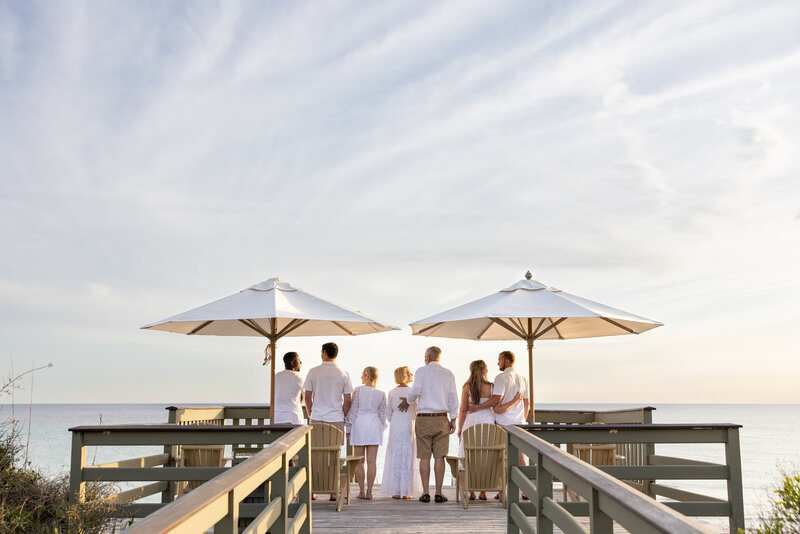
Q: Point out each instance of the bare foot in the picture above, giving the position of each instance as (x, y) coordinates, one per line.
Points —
(369, 496)
(361, 495)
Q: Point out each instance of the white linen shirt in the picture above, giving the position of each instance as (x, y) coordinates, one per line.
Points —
(435, 387)
(288, 397)
(328, 384)
(507, 384)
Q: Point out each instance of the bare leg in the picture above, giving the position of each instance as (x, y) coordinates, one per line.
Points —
(372, 454)
(438, 471)
(359, 451)
(425, 474)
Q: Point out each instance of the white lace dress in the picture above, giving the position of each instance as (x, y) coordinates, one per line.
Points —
(366, 419)
(475, 418)
(401, 467)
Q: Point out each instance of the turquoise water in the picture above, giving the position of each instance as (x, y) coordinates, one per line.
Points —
(770, 437)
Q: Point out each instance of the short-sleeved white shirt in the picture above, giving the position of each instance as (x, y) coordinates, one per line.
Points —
(288, 397)
(508, 384)
(328, 384)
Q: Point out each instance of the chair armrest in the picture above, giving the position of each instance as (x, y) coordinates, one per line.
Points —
(452, 461)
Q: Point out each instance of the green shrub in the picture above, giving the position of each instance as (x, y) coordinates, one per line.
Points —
(783, 515)
(30, 502)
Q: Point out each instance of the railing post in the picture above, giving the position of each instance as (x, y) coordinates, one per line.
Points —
(77, 487)
(168, 495)
(512, 490)
(734, 460)
(278, 484)
(304, 495)
(230, 523)
(544, 489)
(599, 522)
(649, 448)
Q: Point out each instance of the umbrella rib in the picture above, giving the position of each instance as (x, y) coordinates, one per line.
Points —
(484, 330)
(519, 324)
(196, 330)
(508, 327)
(434, 325)
(249, 323)
(538, 326)
(295, 324)
(343, 328)
(618, 325)
(552, 325)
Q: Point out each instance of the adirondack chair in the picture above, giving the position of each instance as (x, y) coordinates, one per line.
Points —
(592, 455)
(329, 472)
(199, 456)
(483, 467)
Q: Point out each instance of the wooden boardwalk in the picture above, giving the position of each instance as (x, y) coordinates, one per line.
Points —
(384, 514)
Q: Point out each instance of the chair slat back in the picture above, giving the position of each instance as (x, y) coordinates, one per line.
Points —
(326, 449)
(484, 449)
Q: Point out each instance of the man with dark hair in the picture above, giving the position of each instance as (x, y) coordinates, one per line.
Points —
(507, 385)
(331, 349)
(289, 392)
(328, 389)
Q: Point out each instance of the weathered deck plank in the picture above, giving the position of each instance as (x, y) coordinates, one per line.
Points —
(384, 514)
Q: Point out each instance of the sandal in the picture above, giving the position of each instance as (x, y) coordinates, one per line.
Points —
(361, 496)
(439, 498)
(369, 497)
(472, 495)
(425, 498)
(397, 497)
(482, 495)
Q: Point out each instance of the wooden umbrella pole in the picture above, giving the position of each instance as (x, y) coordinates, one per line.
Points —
(532, 418)
(272, 346)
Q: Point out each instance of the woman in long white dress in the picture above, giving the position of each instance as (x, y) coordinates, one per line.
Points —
(401, 477)
(475, 408)
(365, 423)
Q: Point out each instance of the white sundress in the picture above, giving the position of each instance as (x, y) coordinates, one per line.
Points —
(475, 418)
(401, 466)
(366, 419)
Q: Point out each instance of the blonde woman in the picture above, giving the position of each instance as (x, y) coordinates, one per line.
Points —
(401, 467)
(365, 423)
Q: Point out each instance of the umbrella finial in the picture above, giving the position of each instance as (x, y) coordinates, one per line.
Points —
(528, 275)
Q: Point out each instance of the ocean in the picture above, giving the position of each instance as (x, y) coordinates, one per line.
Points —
(770, 438)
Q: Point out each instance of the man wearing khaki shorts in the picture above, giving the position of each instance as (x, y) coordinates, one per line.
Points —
(437, 408)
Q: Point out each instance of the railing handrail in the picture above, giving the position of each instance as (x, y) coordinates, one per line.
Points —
(605, 427)
(160, 427)
(646, 510)
(615, 410)
(208, 494)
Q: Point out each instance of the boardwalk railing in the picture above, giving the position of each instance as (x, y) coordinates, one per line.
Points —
(220, 499)
(607, 497)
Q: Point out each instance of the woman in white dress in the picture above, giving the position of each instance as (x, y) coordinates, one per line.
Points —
(366, 422)
(400, 467)
(475, 408)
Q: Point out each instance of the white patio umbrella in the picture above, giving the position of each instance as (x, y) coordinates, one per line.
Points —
(531, 310)
(272, 309)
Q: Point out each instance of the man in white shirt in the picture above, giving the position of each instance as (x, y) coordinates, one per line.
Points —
(328, 389)
(289, 392)
(437, 409)
(506, 386)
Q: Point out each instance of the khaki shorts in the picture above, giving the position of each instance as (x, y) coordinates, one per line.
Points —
(433, 435)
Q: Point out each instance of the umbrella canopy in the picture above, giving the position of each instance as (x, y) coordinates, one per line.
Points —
(531, 310)
(272, 309)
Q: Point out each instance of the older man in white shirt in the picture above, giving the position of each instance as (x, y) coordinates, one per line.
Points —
(289, 392)
(437, 409)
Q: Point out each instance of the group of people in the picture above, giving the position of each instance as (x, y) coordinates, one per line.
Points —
(422, 411)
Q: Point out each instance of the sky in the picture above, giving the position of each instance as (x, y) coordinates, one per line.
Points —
(400, 158)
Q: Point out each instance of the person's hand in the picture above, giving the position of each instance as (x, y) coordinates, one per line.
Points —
(348, 435)
(403, 406)
(452, 426)
(459, 434)
(473, 408)
(517, 398)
